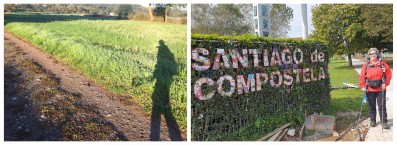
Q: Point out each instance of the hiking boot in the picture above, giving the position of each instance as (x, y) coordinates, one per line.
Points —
(372, 124)
(385, 126)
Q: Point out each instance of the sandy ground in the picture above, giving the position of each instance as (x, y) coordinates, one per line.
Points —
(47, 100)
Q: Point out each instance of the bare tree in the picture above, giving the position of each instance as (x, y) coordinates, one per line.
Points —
(222, 19)
(281, 16)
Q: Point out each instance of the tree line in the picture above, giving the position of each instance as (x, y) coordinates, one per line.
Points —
(122, 11)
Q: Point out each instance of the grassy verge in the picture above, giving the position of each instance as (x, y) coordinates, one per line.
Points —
(343, 100)
(142, 60)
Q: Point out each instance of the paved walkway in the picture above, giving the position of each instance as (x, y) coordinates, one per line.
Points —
(375, 133)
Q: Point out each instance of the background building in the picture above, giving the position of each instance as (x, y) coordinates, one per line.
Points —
(262, 19)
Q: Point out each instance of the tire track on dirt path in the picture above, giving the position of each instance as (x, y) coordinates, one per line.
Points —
(128, 119)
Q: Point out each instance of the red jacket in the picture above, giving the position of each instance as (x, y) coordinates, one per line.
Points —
(375, 73)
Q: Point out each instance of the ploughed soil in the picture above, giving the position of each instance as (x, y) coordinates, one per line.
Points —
(47, 100)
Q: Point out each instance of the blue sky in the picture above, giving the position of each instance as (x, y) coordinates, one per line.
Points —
(296, 23)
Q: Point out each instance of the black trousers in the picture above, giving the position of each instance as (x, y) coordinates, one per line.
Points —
(374, 97)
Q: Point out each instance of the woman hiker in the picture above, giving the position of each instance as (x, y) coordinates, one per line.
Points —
(375, 76)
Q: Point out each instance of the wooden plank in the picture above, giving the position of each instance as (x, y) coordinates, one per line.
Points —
(273, 132)
(351, 85)
(274, 137)
(301, 132)
(347, 130)
(313, 122)
(281, 135)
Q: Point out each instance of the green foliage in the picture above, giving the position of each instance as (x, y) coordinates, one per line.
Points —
(378, 20)
(123, 11)
(120, 54)
(251, 115)
(341, 27)
(159, 11)
(165, 9)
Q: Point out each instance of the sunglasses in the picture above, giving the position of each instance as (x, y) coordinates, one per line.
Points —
(372, 54)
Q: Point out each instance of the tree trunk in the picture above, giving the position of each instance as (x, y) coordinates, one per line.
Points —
(349, 58)
(150, 13)
(166, 13)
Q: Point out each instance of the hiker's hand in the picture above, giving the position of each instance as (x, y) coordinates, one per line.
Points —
(383, 86)
(364, 89)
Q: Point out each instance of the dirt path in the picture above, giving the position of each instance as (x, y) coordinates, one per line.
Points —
(46, 100)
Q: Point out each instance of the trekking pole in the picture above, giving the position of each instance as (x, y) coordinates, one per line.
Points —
(355, 125)
(383, 93)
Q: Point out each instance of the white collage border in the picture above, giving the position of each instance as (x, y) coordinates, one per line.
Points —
(188, 2)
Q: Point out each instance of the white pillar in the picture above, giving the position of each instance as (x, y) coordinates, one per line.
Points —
(304, 21)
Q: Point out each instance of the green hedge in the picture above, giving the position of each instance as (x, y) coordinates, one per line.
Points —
(252, 114)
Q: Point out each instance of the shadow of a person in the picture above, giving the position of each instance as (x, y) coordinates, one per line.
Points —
(165, 69)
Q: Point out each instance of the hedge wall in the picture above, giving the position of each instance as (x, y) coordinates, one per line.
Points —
(229, 103)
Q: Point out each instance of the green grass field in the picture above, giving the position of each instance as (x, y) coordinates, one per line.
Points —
(142, 60)
(343, 100)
